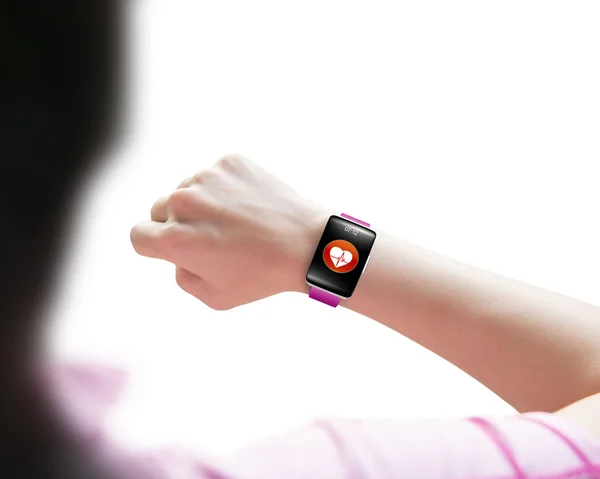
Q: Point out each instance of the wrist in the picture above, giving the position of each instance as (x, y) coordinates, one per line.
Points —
(303, 240)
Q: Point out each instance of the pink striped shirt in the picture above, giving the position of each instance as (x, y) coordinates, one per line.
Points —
(532, 446)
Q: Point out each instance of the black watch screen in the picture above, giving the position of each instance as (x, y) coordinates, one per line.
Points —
(341, 256)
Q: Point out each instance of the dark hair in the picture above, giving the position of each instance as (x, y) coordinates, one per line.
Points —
(58, 92)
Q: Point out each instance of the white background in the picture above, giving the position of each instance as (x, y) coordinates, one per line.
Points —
(471, 128)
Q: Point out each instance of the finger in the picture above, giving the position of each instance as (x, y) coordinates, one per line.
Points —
(200, 178)
(182, 205)
(158, 240)
(189, 181)
(159, 211)
(188, 281)
(200, 289)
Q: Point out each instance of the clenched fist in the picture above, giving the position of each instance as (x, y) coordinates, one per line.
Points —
(235, 233)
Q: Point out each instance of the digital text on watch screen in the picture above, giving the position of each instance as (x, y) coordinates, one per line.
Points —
(341, 256)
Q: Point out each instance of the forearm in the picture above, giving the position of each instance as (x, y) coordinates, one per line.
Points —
(536, 349)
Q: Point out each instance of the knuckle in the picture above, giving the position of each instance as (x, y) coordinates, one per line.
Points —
(144, 242)
(180, 196)
(231, 161)
(180, 200)
(182, 279)
(164, 241)
(158, 209)
(169, 237)
(135, 237)
(185, 183)
(202, 177)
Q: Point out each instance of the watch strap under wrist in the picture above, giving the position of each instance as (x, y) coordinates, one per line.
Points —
(324, 296)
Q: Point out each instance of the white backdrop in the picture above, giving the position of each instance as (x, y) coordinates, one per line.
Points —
(471, 128)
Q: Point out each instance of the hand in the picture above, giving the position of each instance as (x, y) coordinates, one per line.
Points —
(235, 233)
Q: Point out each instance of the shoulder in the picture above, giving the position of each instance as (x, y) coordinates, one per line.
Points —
(529, 445)
(584, 414)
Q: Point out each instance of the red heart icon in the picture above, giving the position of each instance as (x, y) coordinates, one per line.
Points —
(340, 256)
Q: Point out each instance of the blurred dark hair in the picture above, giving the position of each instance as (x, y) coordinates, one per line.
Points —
(58, 92)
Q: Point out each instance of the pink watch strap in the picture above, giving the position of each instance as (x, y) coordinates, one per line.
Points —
(322, 295)
(356, 220)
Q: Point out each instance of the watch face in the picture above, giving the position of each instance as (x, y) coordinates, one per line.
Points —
(341, 256)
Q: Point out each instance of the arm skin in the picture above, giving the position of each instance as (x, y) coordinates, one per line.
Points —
(536, 349)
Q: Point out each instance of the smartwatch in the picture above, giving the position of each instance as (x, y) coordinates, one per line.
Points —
(340, 259)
